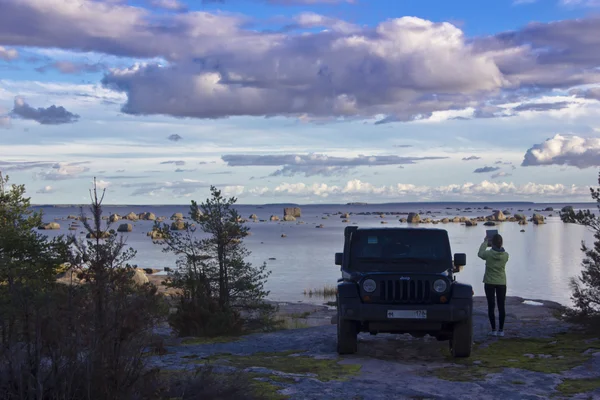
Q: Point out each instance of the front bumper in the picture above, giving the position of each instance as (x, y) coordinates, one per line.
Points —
(356, 310)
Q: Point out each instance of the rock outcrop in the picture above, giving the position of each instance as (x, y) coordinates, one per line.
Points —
(114, 217)
(538, 219)
(49, 226)
(131, 216)
(289, 218)
(413, 218)
(178, 225)
(293, 211)
(176, 216)
(125, 228)
(274, 218)
(147, 216)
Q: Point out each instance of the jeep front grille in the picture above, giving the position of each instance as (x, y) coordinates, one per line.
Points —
(409, 291)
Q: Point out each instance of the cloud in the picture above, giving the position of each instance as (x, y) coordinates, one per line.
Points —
(46, 190)
(359, 189)
(24, 165)
(220, 65)
(185, 187)
(403, 145)
(486, 169)
(290, 2)
(174, 137)
(233, 190)
(184, 170)
(500, 175)
(592, 93)
(176, 162)
(52, 115)
(542, 106)
(169, 5)
(101, 184)
(471, 158)
(72, 68)
(63, 171)
(569, 150)
(317, 164)
(8, 54)
(580, 3)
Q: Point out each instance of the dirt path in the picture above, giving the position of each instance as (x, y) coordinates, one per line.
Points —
(534, 361)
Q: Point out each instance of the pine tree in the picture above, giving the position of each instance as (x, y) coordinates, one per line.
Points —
(219, 290)
(586, 287)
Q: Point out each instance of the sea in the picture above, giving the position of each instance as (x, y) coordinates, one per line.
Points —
(300, 257)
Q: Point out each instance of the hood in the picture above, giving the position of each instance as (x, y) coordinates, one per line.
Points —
(499, 250)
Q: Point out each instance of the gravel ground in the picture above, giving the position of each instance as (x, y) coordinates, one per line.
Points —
(387, 366)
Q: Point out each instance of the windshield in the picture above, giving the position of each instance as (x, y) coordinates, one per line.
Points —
(398, 247)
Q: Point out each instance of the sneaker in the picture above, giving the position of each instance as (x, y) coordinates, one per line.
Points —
(493, 333)
(500, 333)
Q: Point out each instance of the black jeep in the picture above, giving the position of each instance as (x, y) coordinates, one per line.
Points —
(401, 280)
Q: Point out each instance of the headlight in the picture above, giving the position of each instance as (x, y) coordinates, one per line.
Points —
(440, 286)
(369, 285)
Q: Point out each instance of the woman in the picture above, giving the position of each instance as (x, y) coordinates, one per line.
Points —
(495, 281)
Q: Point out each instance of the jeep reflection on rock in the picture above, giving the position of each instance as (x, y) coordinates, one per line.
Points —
(402, 280)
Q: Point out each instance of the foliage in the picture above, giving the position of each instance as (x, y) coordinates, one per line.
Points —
(586, 287)
(219, 289)
(61, 341)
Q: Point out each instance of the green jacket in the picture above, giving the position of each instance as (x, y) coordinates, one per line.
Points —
(495, 264)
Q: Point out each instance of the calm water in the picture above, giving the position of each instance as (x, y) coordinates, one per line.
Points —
(542, 259)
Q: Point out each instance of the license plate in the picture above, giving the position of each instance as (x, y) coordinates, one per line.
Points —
(407, 314)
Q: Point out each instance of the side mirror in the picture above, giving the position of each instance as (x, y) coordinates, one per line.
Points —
(460, 259)
(338, 258)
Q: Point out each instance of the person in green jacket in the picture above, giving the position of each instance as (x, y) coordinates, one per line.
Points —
(494, 280)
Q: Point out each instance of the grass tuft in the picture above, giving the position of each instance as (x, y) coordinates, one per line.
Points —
(326, 291)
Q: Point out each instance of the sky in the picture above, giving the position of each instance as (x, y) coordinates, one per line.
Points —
(301, 101)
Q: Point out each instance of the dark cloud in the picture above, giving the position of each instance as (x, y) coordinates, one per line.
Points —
(403, 145)
(221, 173)
(221, 65)
(176, 162)
(542, 106)
(592, 93)
(486, 169)
(184, 170)
(317, 164)
(565, 150)
(72, 68)
(471, 158)
(174, 137)
(52, 115)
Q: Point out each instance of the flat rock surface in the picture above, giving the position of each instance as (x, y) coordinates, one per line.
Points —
(394, 366)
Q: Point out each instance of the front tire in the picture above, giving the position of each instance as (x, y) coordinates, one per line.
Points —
(461, 342)
(347, 341)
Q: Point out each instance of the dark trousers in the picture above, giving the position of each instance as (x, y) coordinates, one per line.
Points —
(492, 292)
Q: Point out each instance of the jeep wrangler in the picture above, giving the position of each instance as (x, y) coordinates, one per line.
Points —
(402, 280)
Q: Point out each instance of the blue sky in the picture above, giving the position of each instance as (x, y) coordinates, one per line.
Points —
(319, 101)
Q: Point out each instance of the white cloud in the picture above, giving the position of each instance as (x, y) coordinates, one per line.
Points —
(399, 191)
(8, 54)
(570, 150)
(46, 190)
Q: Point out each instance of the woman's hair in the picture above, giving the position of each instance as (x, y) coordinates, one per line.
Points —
(497, 241)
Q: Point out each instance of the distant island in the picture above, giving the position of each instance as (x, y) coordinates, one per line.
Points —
(357, 204)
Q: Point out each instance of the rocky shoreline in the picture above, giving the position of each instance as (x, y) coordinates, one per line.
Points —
(540, 357)
(294, 214)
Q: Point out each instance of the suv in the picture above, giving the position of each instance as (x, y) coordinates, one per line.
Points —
(401, 280)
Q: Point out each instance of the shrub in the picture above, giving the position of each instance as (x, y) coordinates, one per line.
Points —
(586, 287)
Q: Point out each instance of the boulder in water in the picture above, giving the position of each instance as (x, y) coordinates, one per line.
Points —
(413, 218)
(125, 228)
(293, 211)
